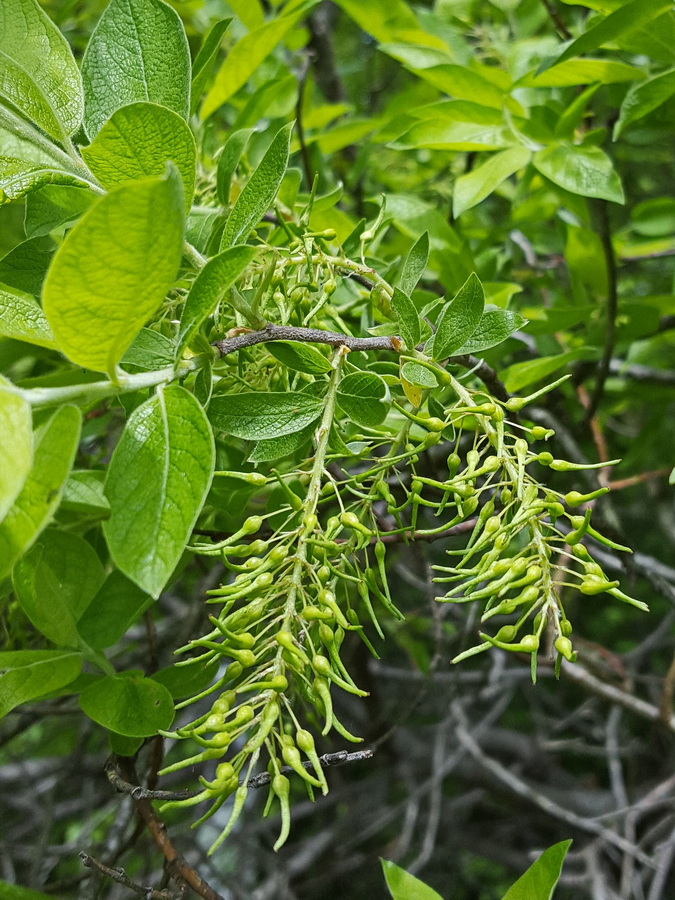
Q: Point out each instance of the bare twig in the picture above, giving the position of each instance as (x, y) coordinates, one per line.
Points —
(306, 335)
(563, 30)
(119, 876)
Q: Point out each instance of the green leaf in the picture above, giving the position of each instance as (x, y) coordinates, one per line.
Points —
(55, 582)
(478, 184)
(408, 318)
(158, 479)
(31, 674)
(22, 318)
(186, 681)
(415, 264)
(38, 74)
(385, 19)
(208, 288)
(204, 60)
(459, 319)
(643, 98)
(494, 327)
(138, 51)
(580, 170)
(257, 416)
(25, 267)
(418, 375)
(19, 176)
(137, 141)
(247, 54)
(150, 351)
(582, 71)
(521, 375)
(260, 190)
(454, 136)
(16, 447)
(539, 881)
(404, 886)
(299, 357)
(362, 396)
(55, 205)
(83, 492)
(229, 160)
(629, 17)
(128, 704)
(113, 270)
(278, 448)
(113, 610)
(55, 444)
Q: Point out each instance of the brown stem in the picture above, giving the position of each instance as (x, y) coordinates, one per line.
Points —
(119, 876)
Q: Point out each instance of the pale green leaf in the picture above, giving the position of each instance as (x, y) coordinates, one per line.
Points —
(418, 375)
(22, 318)
(247, 54)
(114, 269)
(137, 141)
(158, 479)
(138, 51)
(629, 17)
(83, 493)
(459, 319)
(404, 886)
(523, 374)
(540, 880)
(55, 582)
(30, 674)
(259, 416)
(229, 160)
(38, 74)
(150, 351)
(580, 170)
(494, 327)
(644, 98)
(16, 447)
(478, 184)
(202, 65)
(299, 357)
(415, 264)
(389, 20)
(128, 704)
(260, 190)
(55, 444)
(19, 176)
(408, 318)
(363, 397)
(454, 136)
(208, 288)
(574, 72)
(249, 12)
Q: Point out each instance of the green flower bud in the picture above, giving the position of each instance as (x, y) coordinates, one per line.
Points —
(251, 525)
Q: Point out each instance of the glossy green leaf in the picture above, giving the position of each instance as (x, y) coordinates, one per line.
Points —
(16, 447)
(158, 479)
(580, 170)
(137, 141)
(521, 375)
(186, 681)
(459, 319)
(201, 67)
(19, 176)
(540, 880)
(55, 205)
(494, 327)
(209, 287)
(229, 160)
(114, 609)
(627, 18)
(30, 674)
(257, 416)
(418, 375)
(83, 493)
(277, 448)
(22, 318)
(408, 318)
(38, 74)
(404, 886)
(25, 267)
(299, 357)
(260, 190)
(128, 704)
(362, 396)
(415, 264)
(247, 54)
(55, 582)
(644, 98)
(478, 184)
(114, 269)
(138, 51)
(55, 444)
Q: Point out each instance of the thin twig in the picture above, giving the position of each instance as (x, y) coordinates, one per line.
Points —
(119, 876)
(563, 30)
